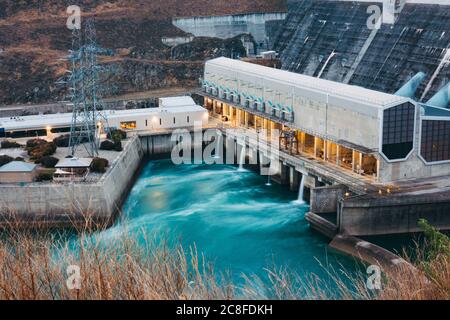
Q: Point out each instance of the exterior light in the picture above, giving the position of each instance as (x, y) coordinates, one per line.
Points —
(388, 190)
(347, 194)
(380, 192)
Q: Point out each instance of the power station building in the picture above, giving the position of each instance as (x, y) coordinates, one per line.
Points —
(379, 136)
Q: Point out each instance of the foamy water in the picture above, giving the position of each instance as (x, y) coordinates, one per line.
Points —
(233, 217)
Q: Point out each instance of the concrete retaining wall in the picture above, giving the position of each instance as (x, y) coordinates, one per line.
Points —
(325, 199)
(393, 216)
(59, 204)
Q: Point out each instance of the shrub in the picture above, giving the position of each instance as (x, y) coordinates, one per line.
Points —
(117, 135)
(438, 244)
(107, 145)
(19, 159)
(62, 141)
(99, 165)
(118, 146)
(35, 142)
(48, 161)
(5, 160)
(44, 176)
(10, 144)
(41, 150)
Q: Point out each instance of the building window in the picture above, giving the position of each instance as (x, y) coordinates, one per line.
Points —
(398, 131)
(128, 125)
(187, 119)
(435, 141)
(173, 120)
(146, 122)
(160, 121)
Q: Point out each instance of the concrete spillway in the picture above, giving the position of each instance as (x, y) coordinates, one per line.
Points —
(383, 59)
(231, 25)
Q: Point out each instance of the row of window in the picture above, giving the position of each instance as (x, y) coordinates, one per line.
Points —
(132, 125)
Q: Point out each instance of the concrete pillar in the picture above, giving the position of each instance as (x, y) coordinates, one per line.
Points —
(353, 161)
(272, 128)
(294, 179)
(230, 156)
(311, 181)
(360, 162)
(378, 169)
(338, 155)
(284, 173)
(315, 147)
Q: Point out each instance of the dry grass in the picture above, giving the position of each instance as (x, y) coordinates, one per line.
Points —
(33, 266)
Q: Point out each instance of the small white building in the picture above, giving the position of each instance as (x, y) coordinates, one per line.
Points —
(18, 172)
(72, 169)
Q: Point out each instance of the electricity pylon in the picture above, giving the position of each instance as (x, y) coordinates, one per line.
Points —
(84, 81)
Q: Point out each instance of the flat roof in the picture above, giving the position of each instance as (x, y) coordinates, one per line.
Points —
(355, 93)
(18, 166)
(74, 163)
(181, 101)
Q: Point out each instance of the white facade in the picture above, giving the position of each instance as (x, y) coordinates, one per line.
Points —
(327, 109)
(385, 126)
(173, 114)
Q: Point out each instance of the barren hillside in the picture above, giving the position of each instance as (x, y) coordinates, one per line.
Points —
(33, 38)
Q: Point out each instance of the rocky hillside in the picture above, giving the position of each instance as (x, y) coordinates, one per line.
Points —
(33, 39)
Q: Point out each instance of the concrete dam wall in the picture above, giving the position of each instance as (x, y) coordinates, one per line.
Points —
(225, 27)
(331, 39)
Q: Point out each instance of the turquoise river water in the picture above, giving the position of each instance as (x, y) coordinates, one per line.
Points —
(233, 217)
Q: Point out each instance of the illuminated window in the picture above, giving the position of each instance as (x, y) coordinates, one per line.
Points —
(128, 125)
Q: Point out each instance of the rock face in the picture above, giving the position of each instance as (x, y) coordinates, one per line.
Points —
(34, 38)
(331, 39)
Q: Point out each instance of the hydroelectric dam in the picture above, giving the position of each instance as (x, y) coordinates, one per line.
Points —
(363, 159)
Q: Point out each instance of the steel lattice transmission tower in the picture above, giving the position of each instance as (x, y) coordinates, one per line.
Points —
(85, 88)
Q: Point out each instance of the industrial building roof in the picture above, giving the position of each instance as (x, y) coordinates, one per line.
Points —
(332, 88)
(18, 166)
